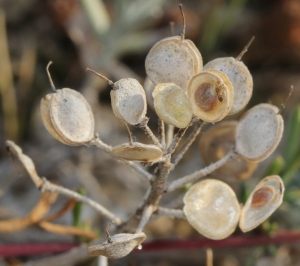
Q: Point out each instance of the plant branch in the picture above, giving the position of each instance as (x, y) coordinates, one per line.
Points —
(147, 212)
(161, 132)
(169, 135)
(180, 133)
(47, 186)
(103, 146)
(172, 213)
(178, 155)
(201, 173)
(148, 131)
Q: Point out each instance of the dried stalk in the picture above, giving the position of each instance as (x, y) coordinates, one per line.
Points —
(201, 173)
(172, 213)
(161, 132)
(177, 138)
(178, 155)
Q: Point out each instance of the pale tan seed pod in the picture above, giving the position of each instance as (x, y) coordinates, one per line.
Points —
(119, 245)
(137, 152)
(128, 101)
(212, 208)
(67, 115)
(174, 60)
(215, 143)
(240, 78)
(172, 105)
(210, 98)
(149, 87)
(263, 201)
(259, 132)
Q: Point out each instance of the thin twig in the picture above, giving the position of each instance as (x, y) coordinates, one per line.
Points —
(209, 257)
(180, 133)
(169, 135)
(148, 131)
(201, 173)
(172, 213)
(161, 132)
(129, 133)
(178, 155)
(286, 100)
(47, 186)
(103, 146)
(239, 57)
(147, 212)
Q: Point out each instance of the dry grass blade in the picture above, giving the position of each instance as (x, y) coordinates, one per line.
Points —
(67, 230)
(43, 206)
(67, 207)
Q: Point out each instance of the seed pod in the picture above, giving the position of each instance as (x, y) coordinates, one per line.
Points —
(211, 207)
(215, 143)
(172, 105)
(137, 152)
(128, 99)
(209, 96)
(263, 201)
(240, 78)
(174, 60)
(67, 116)
(259, 132)
(119, 246)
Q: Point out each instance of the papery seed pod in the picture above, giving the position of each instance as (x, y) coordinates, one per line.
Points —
(137, 152)
(173, 60)
(215, 143)
(263, 201)
(240, 78)
(149, 87)
(119, 245)
(67, 116)
(259, 132)
(172, 105)
(211, 207)
(128, 99)
(209, 96)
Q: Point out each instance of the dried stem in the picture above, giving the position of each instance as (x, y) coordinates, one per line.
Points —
(129, 134)
(49, 76)
(239, 57)
(178, 155)
(148, 131)
(47, 186)
(201, 173)
(172, 213)
(209, 257)
(180, 133)
(103, 146)
(169, 135)
(161, 132)
(286, 100)
(184, 24)
(147, 212)
(111, 83)
(102, 261)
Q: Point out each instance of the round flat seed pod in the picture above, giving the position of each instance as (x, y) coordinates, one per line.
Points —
(209, 97)
(45, 114)
(259, 132)
(72, 116)
(240, 78)
(119, 246)
(149, 87)
(172, 105)
(128, 101)
(215, 143)
(211, 207)
(173, 60)
(263, 201)
(137, 152)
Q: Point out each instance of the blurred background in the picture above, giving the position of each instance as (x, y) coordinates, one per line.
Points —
(113, 37)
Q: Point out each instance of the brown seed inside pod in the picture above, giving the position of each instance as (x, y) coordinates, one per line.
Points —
(206, 96)
(262, 196)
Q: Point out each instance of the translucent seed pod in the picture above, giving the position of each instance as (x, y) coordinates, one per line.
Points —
(259, 132)
(263, 201)
(215, 143)
(209, 96)
(240, 78)
(119, 245)
(67, 116)
(137, 152)
(212, 208)
(173, 60)
(172, 105)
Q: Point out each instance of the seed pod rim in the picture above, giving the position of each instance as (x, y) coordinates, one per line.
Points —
(276, 201)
